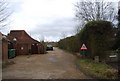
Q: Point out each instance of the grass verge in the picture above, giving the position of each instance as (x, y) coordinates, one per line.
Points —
(97, 70)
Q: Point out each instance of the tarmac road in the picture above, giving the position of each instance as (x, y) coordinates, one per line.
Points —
(56, 64)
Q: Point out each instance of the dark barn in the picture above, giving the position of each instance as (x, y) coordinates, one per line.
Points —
(23, 43)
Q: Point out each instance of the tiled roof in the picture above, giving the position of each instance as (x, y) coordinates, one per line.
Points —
(21, 36)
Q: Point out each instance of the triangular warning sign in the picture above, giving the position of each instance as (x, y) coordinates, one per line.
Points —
(83, 47)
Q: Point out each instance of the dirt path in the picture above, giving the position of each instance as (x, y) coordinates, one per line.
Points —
(55, 64)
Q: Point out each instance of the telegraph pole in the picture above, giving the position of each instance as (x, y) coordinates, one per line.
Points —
(118, 33)
(119, 15)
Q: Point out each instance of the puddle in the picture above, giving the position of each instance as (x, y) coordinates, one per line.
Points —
(53, 54)
(51, 60)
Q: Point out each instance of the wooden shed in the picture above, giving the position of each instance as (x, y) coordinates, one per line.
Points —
(0, 46)
(23, 43)
(3, 47)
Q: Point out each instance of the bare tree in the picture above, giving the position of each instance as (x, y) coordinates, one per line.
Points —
(63, 35)
(77, 29)
(4, 13)
(89, 10)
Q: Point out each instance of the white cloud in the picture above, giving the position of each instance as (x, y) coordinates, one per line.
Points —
(29, 14)
(48, 18)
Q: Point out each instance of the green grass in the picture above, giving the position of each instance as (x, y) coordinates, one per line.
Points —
(97, 70)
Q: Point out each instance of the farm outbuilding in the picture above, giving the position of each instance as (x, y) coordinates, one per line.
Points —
(23, 43)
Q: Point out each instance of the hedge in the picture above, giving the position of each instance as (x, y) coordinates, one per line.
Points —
(97, 35)
(70, 44)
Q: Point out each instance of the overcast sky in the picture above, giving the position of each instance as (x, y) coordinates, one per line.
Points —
(43, 19)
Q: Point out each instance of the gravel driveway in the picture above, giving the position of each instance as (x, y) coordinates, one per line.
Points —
(56, 64)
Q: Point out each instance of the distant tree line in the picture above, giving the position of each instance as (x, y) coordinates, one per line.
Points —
(70, 44)
(54, 44)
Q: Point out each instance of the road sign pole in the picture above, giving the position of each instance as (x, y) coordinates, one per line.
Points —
(83, 53)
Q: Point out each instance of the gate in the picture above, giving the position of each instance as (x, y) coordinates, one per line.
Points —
(34, 48)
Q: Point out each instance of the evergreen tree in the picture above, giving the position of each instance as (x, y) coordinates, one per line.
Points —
(117, 40)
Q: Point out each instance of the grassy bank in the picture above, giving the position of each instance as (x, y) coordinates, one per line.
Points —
(97, 70)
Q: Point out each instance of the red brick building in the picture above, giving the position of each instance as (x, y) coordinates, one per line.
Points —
(23, 43)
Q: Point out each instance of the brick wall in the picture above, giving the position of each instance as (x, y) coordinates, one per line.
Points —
(24, 42)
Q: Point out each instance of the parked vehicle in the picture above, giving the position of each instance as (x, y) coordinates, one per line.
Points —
(49, 47)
